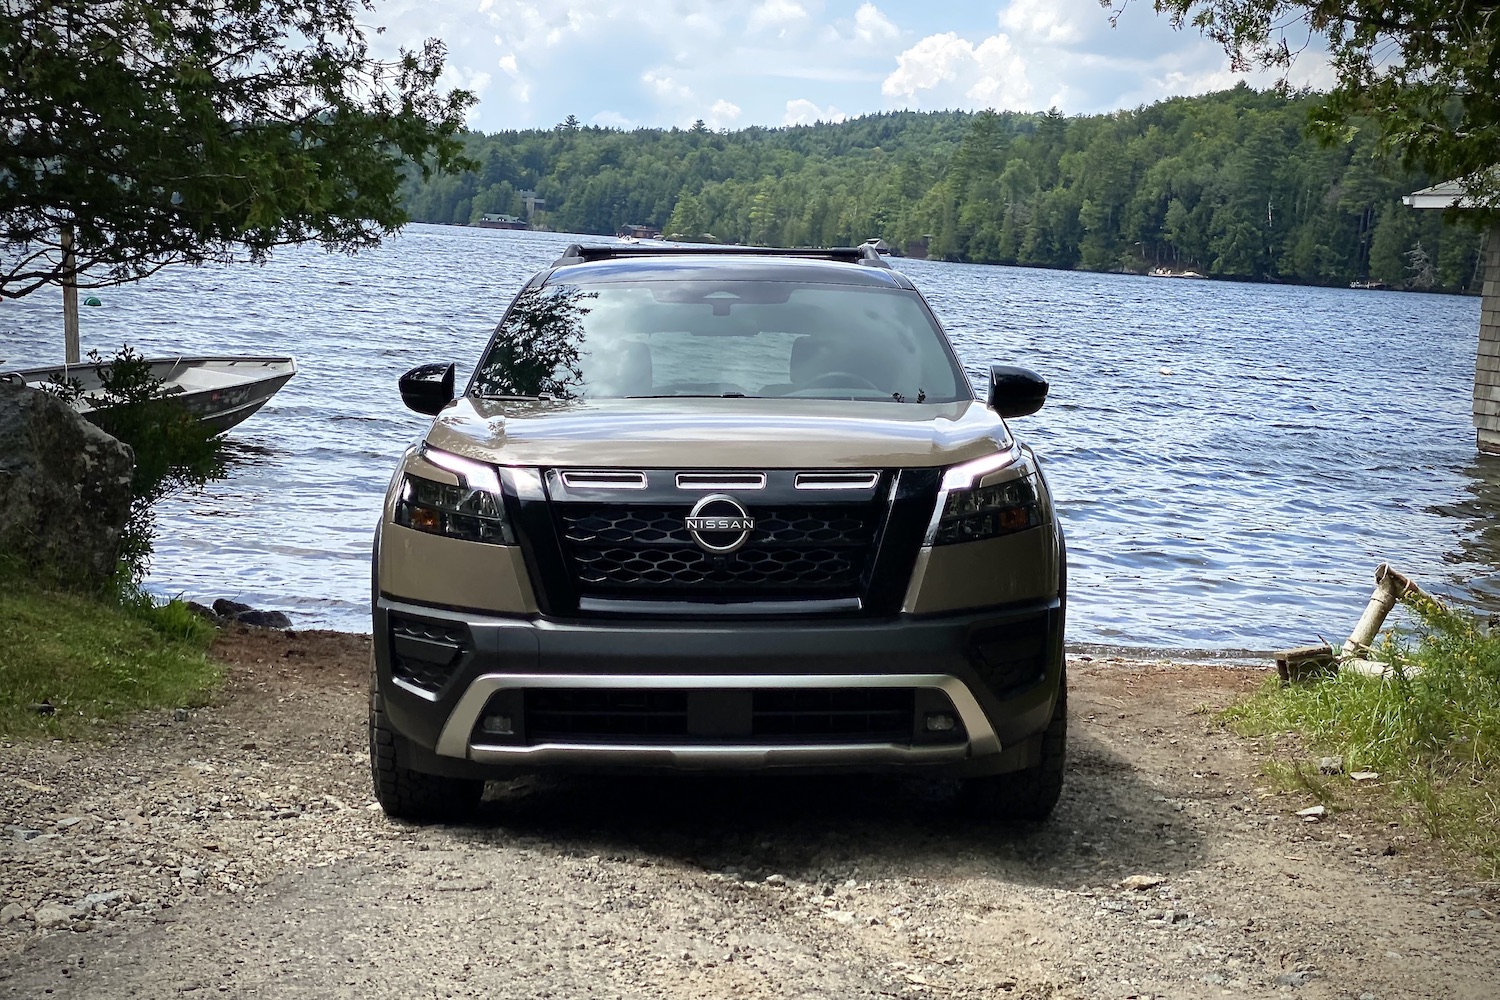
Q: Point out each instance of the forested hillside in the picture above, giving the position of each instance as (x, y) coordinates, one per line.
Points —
(1225, 184)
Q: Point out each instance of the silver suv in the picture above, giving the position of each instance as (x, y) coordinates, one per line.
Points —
(714, 509)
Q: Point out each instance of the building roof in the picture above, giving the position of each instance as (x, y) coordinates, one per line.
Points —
(1449, 194)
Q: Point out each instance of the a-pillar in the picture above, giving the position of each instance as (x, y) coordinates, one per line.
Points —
(1487, 364)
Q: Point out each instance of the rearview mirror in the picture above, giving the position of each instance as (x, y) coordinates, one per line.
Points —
(427, 388)
(1016, 391)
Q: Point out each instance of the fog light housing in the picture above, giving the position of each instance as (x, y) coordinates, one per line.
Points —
(497, 725)
(941, 722)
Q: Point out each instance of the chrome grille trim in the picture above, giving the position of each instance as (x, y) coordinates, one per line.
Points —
(721, 481)
(603, 479)
(837, 480)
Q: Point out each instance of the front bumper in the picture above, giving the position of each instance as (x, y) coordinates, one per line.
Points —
(441, 671)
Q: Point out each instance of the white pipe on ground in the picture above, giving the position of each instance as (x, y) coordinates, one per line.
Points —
(1390, 587)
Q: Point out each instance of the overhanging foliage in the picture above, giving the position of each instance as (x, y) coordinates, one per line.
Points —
(1423, 72)
(203, 130)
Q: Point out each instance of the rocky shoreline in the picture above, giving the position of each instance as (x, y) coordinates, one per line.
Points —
(227, 612)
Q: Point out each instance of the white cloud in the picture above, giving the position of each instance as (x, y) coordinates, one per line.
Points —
(520, 25)
(870, 25)
(769, 61)
(1044, 21)
(933, 60)
(666, 87)
(804, 112)
(722, 114)
(1002, 81)
(466, 77)
(520, 88)
(779, 14)
(991, 74)
(612, 119)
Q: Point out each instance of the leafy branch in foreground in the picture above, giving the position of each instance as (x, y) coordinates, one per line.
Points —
(204, 130)
(1431, 730)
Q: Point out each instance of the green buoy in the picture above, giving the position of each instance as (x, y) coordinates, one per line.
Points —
(92, 300)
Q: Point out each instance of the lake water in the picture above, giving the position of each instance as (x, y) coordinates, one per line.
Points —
(1231, 460)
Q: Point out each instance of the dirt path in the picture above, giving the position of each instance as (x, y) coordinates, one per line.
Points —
(235, 853)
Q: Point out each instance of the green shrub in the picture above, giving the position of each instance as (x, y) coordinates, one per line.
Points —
(174, 450)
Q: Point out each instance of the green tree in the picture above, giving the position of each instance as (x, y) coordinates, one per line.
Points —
(203, 130)
(1395, 234)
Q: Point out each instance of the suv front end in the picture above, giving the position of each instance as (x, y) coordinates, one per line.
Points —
(800, 574)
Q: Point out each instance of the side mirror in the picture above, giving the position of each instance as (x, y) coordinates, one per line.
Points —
(427, 388)
(1015, 391)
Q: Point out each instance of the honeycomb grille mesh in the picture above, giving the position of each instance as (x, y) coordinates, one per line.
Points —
(795, 552)
(431, 650)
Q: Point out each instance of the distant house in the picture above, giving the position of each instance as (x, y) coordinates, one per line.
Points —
(492, 221)
(639, 232)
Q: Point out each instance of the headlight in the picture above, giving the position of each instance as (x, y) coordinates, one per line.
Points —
(473, 511)
(970, 512)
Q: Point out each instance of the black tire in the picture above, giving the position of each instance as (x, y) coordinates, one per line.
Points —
(414, 795)
(1031, 794)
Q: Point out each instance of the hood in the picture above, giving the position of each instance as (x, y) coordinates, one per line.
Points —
(718, 433)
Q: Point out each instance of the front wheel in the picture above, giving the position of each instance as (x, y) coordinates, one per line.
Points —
(414, 795)
(1030, 794)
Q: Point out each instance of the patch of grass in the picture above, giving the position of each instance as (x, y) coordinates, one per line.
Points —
(1296, 775)
(94, 659)
(1432, 729)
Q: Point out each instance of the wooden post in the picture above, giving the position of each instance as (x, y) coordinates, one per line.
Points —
(1306, 663)
(70, 299)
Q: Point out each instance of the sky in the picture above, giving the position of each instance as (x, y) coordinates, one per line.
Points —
(663, 63)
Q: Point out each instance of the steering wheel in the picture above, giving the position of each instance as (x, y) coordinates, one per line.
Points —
(839, 380)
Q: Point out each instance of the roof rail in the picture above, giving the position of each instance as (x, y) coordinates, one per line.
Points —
(582, 253)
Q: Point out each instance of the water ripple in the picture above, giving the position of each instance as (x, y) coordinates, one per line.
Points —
(1230, 460)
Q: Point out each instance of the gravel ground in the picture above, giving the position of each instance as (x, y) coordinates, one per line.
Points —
(237, 852)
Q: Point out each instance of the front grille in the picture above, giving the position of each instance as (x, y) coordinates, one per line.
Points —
(425, 652)
(807, 552)
(670, 716)
(882, 715)
(559, 714)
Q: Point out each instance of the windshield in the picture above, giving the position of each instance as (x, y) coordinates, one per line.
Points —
(614, 340)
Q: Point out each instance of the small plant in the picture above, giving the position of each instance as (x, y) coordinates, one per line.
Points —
(1432, 729)
(174, 450)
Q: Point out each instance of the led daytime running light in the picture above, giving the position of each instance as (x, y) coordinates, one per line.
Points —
(476, 475)
(963, 477)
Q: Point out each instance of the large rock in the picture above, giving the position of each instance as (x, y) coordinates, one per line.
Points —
(64, 489)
